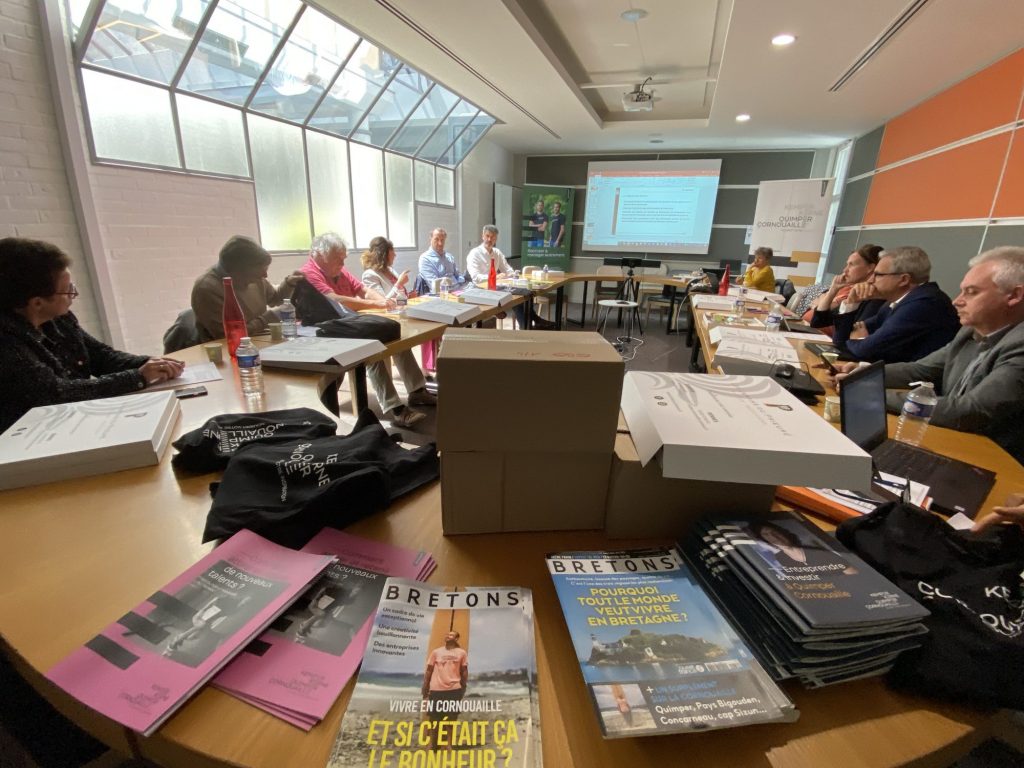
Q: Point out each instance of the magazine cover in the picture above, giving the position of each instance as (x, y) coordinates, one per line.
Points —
(656, 655)
(298, 666)
(447, 670)
(139, 669)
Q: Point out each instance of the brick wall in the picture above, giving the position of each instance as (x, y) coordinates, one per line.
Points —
(35, 200)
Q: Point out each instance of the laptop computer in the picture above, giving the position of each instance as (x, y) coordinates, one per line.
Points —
(956, 486)
(798, 326)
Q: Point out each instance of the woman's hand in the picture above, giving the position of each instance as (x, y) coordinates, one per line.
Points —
(402, 279)
(158, 369)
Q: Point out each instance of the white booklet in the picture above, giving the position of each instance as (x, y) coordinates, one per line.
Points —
(320, 353)
(92, 437)
(442, 311)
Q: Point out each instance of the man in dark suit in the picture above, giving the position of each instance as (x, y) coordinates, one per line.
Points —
(980, 374)
(917, 319)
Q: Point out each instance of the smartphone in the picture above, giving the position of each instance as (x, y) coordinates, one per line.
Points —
(196, 391)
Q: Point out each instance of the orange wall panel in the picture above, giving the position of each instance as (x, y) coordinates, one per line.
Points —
(983, 101)
(1011, 193)
(958, 184)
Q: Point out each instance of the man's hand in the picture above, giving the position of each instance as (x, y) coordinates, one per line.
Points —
(1011, 512)
(859, 331)
(844, 370)
(158, 369)
(860, 292)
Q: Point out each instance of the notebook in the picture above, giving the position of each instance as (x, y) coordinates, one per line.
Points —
(956, 486)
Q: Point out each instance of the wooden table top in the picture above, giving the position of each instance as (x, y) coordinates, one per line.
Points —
(76, 554)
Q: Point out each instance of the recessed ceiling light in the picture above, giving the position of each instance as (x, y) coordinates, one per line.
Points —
(657, 141)
(633, 15)
(620, 45)
(780, 41)
(742, 118)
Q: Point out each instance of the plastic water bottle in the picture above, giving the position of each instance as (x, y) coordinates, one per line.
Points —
(250, 371)
(544, 273)
(445, 290)
(286, 314)
(917, 412)
(773, 322)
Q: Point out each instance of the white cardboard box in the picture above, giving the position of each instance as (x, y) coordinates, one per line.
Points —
(92, 437)
(745, 429)
(442, 311)
(320, 353)
(486, 298)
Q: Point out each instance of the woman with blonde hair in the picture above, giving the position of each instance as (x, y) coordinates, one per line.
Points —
(378, 273)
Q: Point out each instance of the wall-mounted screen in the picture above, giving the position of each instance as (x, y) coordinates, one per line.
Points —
(650, 206)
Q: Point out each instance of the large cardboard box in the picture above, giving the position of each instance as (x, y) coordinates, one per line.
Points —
(526, 427)
(527, 391)
(643, 503)
(731, 429)
(492, 491)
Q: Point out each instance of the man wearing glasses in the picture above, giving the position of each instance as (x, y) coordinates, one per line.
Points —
(917, 319)
(45, 355)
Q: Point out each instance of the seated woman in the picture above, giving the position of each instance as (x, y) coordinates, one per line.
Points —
(378, 274)
(759, 274)
(45, 355)
(860, 265)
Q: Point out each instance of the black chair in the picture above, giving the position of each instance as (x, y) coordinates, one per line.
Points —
(786, 288)
(182, 333)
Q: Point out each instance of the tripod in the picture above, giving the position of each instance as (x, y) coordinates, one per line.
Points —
(628, 298)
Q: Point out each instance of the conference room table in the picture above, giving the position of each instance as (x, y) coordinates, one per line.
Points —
(78, 554)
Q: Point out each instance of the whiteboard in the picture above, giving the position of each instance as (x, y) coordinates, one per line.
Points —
(508, 210)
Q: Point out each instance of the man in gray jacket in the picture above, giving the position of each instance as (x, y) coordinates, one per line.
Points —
(979, 375)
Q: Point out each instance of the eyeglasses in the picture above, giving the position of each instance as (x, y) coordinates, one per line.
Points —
(71, 292)
(889, 274)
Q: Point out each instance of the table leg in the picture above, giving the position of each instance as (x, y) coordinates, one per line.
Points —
(360, 400)
(671, 310)
(583, 308)
(559, 295)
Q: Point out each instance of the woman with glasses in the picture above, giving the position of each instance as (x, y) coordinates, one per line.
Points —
(45, 355)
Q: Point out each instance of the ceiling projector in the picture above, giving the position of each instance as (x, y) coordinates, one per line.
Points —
(638, 100)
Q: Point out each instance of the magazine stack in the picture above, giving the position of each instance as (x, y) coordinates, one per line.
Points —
(300, 664)
(807, 606)
(657, 656)
(449, 678)
(145, 665)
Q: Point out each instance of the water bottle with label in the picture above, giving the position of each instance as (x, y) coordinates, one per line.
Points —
(286, 313)
(917, 412)
(773, 322)
(544, 273)
(446, 288)
(250, 371)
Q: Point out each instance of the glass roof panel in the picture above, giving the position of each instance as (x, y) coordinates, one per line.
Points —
(366, 73)
(424, 120)
(445, 134)
(394, 105)
(145, 39)
(236, 46)
(315, 51)
(467, 140)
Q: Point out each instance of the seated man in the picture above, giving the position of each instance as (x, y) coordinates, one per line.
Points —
(245, 262)
(45, 356)
(325, 271)
(436, 262)
(759, 274)
(917, 319)
(979, 376)
(478, 263)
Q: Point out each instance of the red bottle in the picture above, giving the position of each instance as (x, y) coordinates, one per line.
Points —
(492, 277)
(234, 320)
(723, 285)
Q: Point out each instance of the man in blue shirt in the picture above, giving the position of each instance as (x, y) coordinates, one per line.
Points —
(436, 262)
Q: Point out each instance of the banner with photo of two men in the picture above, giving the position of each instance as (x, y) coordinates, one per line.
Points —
(547, 226)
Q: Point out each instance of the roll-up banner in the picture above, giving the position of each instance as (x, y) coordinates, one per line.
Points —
(547, 226)
(790, 218)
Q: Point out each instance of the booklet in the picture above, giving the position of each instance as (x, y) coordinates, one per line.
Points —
(656, 654)
(448, 672)
(298, 667)
(319, 353)
(443, 311)
(485, 297)
(144, 666)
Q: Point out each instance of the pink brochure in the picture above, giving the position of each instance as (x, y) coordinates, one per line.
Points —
(140, 669)
(305, 659)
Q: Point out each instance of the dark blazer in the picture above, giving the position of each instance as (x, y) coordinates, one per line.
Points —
(993, 403)
(921, 323)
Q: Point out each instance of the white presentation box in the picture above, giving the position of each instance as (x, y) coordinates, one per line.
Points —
(92, 437)
(743, 429)
(442, 311)
(486, 298)
(320, 353)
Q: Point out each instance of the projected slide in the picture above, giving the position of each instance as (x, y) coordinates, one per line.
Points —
(660, 206)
